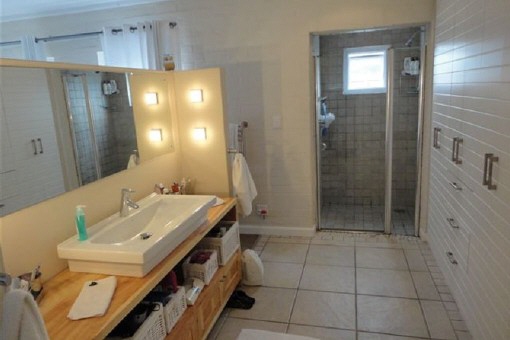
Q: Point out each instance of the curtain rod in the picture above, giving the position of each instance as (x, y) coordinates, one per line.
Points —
(69, 36)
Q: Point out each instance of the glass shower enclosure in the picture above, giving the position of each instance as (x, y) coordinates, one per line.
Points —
(368, 142)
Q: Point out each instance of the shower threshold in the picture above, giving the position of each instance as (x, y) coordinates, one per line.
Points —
(366, 218)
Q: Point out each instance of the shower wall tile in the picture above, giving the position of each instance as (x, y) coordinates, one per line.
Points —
(352, 170)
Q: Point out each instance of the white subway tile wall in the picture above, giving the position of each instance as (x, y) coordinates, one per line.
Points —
(471, 102)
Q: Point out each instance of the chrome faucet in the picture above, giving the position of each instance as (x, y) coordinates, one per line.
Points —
(126, 203)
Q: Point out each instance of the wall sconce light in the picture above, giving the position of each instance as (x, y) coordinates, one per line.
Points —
(151, 98)
(200, 133)
(156, 135)
(196, 96)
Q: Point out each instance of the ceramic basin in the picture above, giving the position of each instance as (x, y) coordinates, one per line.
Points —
(134, 244)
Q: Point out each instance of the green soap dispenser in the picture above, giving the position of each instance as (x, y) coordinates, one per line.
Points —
(80, 223)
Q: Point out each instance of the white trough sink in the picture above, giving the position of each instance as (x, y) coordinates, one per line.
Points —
(133, 245)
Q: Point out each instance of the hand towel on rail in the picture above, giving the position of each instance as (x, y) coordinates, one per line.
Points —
(244, 187)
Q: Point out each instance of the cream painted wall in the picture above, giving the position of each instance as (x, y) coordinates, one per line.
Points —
(264, 49)
(157, 116)
(203, 161)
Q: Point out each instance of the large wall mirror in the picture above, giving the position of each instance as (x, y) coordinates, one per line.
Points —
(64, 128)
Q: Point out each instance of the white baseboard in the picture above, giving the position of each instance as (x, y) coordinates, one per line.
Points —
(276, 231)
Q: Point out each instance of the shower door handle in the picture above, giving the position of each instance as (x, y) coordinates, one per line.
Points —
(436, 138)
(34, 146)
(455, 150)
(40, 145)
(487, 171)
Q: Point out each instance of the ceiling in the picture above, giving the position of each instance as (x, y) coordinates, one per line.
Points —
(11, 10)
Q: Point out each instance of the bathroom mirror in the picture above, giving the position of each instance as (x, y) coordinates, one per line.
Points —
(64, 128)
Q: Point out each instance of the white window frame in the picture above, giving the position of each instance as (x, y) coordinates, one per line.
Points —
(368, 50)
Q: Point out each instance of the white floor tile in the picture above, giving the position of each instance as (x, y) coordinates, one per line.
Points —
(324, 309)
(331, 255)
(284, 252)
(232, 327)
(415, 260)
(282, 275)
(385, 282)
(380, 258)
(290, 239)
(377, 336)
(272, 304)
(425, 287)
(328, 278)
(391, 315)
(322, 333)
(437, 320)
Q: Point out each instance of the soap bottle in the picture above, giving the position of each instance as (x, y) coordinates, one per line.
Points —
(80, 223)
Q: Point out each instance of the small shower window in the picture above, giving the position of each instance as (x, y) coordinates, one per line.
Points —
(365, 70)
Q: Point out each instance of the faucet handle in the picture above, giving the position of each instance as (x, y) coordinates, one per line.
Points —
(127, 190)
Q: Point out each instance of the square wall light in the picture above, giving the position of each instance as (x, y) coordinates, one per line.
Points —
(151, 98)
(156, 135)
(199, 133)
(196, 96)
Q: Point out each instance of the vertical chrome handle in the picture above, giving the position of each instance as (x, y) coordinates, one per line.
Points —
(34, 146)
(455, 150)
(436, 138)
(454, 146)
(455, 186)
(452, 223)
(487, 170)
(449, 254)
(40, 145)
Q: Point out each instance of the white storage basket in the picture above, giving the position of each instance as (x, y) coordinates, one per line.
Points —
(225, 245)
(205, 271)
(153, 328)
(174, 309)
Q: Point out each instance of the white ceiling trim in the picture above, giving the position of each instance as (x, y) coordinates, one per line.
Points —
(14, 10)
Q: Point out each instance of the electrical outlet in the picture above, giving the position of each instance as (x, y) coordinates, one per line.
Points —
(262, 210)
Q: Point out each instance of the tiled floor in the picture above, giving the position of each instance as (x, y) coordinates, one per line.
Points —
(366, 218)
(348, 286)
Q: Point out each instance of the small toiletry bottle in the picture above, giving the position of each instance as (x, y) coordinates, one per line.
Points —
(80, 223)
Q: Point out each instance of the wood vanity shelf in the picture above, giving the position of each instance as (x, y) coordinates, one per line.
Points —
(61, 291)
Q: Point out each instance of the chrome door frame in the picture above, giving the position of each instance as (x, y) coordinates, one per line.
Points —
(388, 161)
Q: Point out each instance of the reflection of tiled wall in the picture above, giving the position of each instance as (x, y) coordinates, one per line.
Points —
(122, 124)
(352, 166)
(78, 107)
(113, 122)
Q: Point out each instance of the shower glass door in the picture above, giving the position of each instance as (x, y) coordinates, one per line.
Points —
(352, 154)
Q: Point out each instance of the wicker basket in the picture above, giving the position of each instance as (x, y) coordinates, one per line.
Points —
(225, 245)
(174, 309)
(205, 271)
(153, 328)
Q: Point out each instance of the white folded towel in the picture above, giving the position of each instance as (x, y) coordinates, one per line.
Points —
(94, 299)
(244, 187)
(21, 317)
(256, 334)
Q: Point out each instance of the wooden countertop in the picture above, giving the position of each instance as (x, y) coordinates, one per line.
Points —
(61, 291)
